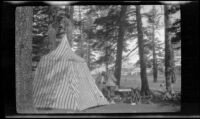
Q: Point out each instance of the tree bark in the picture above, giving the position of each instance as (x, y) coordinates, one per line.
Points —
(52, 38)
(155, 69)
(173, 66)
(52, 43)
(23, 45)
(71, 12)
(168, 58)
(88, 54)
(144, 82)
(106, 58)
(88, 43)
(81, 35)
(118, 62)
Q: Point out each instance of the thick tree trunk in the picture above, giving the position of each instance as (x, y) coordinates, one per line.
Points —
(23, 44)
(168, 58)
(118, 62)
(144, 82)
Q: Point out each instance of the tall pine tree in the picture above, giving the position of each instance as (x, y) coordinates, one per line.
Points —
(143, 74)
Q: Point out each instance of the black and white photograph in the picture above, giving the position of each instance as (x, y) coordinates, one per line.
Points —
(98, 59)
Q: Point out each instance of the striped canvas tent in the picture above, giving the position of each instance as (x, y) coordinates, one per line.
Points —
(63, 81)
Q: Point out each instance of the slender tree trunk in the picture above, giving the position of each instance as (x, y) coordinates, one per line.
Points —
(70, 9)
(88, 53)
(173, 66)
(144, 82)
(23, 31)
(51, 32)
(81, 35)
(168, 58)
(118, 62)
(50, 12)
(52, 38)
(88, 42)
(155, 69)
(106, 60)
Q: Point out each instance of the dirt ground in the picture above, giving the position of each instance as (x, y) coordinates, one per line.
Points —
(127, 108)
(122, 108)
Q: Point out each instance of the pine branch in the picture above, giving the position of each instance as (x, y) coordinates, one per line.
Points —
(130, 52)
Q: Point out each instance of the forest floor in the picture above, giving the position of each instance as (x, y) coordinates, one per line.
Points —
(140, 108)
(135, 82)
(155, 106)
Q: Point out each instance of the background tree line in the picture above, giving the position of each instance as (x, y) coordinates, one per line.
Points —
(106, 31)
